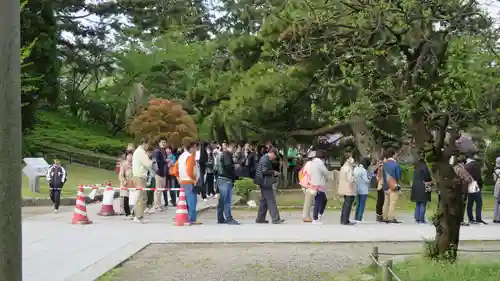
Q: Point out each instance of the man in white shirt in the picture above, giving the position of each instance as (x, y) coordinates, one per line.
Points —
(141, 164)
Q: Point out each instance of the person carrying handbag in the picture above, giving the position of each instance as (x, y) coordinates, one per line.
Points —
(496, 191)
(314, 180)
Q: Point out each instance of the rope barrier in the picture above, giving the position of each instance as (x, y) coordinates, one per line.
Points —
(390, 275)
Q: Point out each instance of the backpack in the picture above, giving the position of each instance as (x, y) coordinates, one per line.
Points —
(218, 163)
(174, 170)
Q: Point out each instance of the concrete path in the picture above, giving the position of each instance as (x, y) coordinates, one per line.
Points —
(56, 250)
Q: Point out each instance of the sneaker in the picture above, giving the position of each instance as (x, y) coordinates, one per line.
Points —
(205, 200)
(380, 218)
(320, 217)
(278, 221)
(128, 218)
(262, 222)
(159, 209)
(395, 221)
(482, 222)
(216, 196)
(150, 211)
(464, 224)
(139, 220)
(317, 221)
(233, 222)
(56, 211)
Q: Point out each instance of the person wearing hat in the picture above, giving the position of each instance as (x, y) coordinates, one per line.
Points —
(56, 177)
(496, 191)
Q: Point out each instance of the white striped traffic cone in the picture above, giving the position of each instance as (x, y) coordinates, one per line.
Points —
(108, 197)
(181, 213)
(80, 213)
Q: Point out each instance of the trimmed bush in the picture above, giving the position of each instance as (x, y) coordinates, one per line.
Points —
(243, 187)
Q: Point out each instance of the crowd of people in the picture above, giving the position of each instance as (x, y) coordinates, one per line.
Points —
(200, 168)
(356, 177)
(211, 169)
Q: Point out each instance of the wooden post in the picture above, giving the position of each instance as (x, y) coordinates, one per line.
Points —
(387, 275)
(10, 142)
(375, 256)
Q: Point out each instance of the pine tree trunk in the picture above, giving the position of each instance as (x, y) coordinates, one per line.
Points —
(449, 214)
(10, 142)
(365, 142)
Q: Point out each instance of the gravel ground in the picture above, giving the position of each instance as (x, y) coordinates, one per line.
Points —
(258, 262)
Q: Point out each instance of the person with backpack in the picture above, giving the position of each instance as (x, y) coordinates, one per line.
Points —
(496, 191)
(160, 168)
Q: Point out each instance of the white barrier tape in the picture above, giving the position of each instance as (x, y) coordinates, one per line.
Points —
(132, 188)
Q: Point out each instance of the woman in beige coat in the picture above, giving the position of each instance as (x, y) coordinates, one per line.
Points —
(125, 177)
(346, 187)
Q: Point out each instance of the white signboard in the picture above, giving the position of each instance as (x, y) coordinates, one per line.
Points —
(35, 168)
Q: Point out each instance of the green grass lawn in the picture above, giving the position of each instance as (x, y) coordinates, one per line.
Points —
(294, 199)
(420, 269)
(77, 174)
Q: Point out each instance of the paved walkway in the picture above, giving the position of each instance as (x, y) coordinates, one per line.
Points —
(56, 250)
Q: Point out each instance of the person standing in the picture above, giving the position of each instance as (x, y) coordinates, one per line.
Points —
(160, 168)
(421, 190)
(362, 179)
(225, 181)
(125, 178)
(210, 178)
(265, 177)
(380, 190)
(346, 188)
(474, 168)
(247, 167)
(56, 177)
(201, 164)
(171, 180)
(141, 164)
(186, 167)
(391, 174)
(309, 194)
(318, 181)
(496, 191)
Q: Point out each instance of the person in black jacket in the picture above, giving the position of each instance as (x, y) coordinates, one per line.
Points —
(225, 181)
(160, 167)
(265, 177)
(474, 168)
(420, 190)
(247, 165)
(56, 177)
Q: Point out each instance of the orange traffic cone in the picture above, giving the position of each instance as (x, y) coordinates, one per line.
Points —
(181, 213)
(108, 196)
(80, 214)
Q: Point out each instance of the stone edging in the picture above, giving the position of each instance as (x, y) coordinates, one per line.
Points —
(104, 265)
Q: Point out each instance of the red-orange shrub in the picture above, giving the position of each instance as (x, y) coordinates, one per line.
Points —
(164, 119)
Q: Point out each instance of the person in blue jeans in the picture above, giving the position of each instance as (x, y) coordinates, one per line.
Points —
(420, 190)
(192, 200)
(362, 179)
(226, 177)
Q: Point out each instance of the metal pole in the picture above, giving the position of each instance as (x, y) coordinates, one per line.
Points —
(10, 142)
(387, 275)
